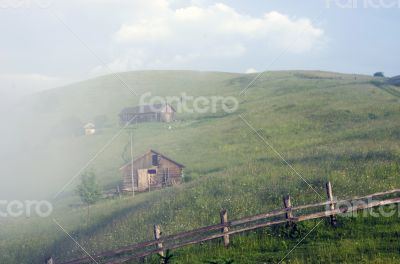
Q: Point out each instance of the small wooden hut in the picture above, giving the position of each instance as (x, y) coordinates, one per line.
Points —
(147, 113)
(394, 80)
(90, 129)
(151, 171)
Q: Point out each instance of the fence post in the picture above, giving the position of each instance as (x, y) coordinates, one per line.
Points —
(329, 194)
(118, 192)
(288, 206)
(50, 261)
(224, 221)
(157, 236)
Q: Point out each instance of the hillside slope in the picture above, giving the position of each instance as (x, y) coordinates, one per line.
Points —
(329, 126)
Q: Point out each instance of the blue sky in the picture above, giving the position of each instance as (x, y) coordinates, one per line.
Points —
(45, 43)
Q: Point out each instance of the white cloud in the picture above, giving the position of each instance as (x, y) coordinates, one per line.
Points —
(251, 70)
(221, 21)
(134, 59)
(196, 36)
(144, 31)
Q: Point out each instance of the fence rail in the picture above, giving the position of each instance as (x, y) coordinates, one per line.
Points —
(288, 214)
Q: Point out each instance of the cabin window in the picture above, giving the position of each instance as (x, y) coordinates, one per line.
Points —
(154, 160)
(152, 171)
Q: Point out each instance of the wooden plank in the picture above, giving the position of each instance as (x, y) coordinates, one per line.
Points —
(375, 195)
(346, 200)
(348, 210)
(308, 206)
(194, 232)
(246, 220)
(138, 256)
(111, 253)
(274, 213)
(271, 223)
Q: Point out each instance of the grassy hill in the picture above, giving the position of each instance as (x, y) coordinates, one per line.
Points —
(329, 126)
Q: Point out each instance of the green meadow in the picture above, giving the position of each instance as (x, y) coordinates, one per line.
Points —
(328, 126)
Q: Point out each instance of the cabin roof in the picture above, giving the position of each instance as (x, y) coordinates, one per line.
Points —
(89, 125)
(143, 109)
(155, 152)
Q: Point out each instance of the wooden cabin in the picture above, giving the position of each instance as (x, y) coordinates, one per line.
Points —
(394, 80)
(147, 113)
(90, 129)
(151, 171)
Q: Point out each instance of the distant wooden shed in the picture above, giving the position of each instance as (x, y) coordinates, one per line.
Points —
(90, 129)
(151, 171)
(147, 113)
(394, 80)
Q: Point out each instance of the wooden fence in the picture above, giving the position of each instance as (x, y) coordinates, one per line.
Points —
(288, 214)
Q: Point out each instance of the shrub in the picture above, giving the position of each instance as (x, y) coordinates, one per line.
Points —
(372, 116)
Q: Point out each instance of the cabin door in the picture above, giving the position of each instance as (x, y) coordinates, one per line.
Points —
(166, 180)
(143, 179)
